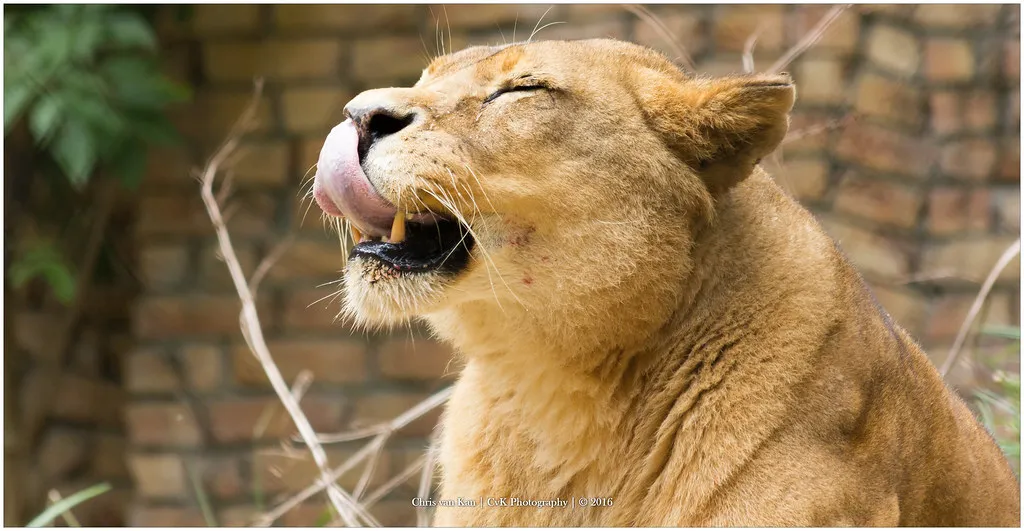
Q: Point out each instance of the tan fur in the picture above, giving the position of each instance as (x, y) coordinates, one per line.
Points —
(647, 317)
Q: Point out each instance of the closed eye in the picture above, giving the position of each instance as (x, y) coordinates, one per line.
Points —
(506, 90)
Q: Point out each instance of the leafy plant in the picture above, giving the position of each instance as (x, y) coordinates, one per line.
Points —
(85, 82)
(52, 512)
(1000, 411)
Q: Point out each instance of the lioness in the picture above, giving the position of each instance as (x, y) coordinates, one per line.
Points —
(648, 322)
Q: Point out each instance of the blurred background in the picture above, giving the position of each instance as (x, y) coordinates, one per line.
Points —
(123, 360)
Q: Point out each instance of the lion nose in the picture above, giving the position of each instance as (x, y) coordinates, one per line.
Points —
(376, 123)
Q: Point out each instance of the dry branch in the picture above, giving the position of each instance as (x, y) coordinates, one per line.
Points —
(645, 14)
(1008, 255)
(809, 40)
(252, 331)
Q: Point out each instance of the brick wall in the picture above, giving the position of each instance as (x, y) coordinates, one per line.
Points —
(921, 189)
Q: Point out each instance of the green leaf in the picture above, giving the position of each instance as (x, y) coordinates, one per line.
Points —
(323, 519)
(1009, 332)
(61, 281)
(130, 30)
(44, 117)
(52, 512)
(154, 128)
(75, 151)
(129, 163)
(17, 96)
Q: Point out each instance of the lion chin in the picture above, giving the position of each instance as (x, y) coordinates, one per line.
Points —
(653, 332)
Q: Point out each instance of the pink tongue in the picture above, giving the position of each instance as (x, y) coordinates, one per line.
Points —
(342, 189)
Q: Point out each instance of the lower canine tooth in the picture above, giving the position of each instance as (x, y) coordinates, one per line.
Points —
(398, 229)
(356, 235)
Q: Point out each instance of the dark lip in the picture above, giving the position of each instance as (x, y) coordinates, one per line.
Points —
(443, 246)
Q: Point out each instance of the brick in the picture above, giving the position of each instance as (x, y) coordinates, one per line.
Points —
(183, 214)
(953, 16)
(331, 361)
(175, 62)
(240, 419)
(871, 252)
(949, 312)
(884, 150)
(392, 60)
(841, 36)
(1012, 113)
(213, 271)
(954, 112)
(1007, 207)
(107, 456)
(310, 259)
(906, 307)
(204, 366)
(889, 10)
(294, 471)
(948, 60)
(893, 49)
(734, 24)
(32, 332)
(968, 159)
(220, 19)
(1009, 160)
(88, 401)
(357, 17)
(172, 214)
(399, 513)
(378, 407)
(158, 475)
(954, 210)
(314, 310)
(169, 165)
(221, 476)
(308, 155)
(273, 59)
(162, 266)
(262, 163)
(213, 113)
(970, 259)
(686, 28)
(164, 424)
(1011, 62)
(805, 178)
(148, 371)
(878, 200)
(897, 102)
(314, 110)
(981, 110)
(523, 16)
(144, 516)
(238, 515)
(805, 132)
(420, 359)
(820, 80)
(177, 317)
(309, 515)
(61, 452)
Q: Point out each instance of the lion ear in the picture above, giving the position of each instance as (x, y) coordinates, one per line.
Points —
(721, 127)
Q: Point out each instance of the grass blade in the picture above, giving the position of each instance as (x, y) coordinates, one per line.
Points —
(52, 512)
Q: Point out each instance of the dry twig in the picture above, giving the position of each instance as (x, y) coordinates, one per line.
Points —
(252, 331)
(382, 432)
(645, 14)
(809, 40)
(954, 352)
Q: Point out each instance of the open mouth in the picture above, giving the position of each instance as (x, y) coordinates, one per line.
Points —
(442, 245)
(396, 241)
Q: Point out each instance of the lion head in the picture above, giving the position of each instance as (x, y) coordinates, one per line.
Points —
(548, 191)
